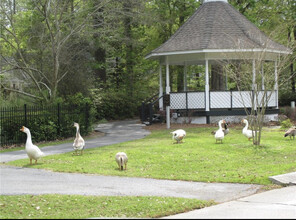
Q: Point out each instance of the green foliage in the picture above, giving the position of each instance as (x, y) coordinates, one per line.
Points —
(86, 111)
(286, 96)
(114, 105)
(43, 128)
(286, 123)
(111, 54)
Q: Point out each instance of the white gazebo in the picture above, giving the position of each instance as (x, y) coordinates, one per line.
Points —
(215, 32)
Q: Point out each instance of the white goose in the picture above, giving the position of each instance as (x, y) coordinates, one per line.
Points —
(121, 159)
(32, 150)
(79, 142)
(225, 129)
(247, 132)
(219, 135)
(178, 135)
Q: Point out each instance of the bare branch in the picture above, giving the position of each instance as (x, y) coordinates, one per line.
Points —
(20, 92)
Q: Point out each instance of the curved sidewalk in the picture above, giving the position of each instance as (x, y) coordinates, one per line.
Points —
(116, 132)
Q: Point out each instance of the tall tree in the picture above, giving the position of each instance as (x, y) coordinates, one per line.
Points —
(169, 16)
(100, 52)
(47, 32)
(277, 19)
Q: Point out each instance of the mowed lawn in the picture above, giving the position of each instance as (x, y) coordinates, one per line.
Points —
(80, 207)
(198, 158)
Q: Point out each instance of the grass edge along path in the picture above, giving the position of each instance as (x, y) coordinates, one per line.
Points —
(93, 135)
(55, 206)
(198, 158)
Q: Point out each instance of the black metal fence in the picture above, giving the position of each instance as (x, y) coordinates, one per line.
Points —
(150, 112)
(45, 123)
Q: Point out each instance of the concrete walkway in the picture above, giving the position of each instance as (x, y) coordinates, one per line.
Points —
(236, 200)
(274, 204)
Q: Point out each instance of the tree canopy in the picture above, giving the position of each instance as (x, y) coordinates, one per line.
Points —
(98, 47)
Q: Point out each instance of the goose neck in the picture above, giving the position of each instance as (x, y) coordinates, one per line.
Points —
(247, 125)
(29, 137)
(220, 125)
(77, 132)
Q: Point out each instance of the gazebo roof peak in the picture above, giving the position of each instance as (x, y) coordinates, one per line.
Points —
(217, 27)
(205, 1)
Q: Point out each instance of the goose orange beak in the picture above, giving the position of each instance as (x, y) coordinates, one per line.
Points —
(22, 129)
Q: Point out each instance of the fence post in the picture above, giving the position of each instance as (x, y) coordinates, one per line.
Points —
(143, 112)
(25, 111)
(150, 113)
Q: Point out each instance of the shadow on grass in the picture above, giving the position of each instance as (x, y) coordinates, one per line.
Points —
(32, 165)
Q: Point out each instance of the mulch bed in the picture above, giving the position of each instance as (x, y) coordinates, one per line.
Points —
(162, 126)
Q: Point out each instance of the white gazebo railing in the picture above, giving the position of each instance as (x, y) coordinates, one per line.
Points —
(187, 100)
(220, 100)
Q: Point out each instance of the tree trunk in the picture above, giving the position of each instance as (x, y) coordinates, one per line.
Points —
(290, 30)
(292, 67)
(129, 47)
(180, 78)
(292, 77)
(217, 78)
(100, 73)
(180, 70)
(100, 53)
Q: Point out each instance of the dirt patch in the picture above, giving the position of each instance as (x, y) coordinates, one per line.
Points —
(162, 126)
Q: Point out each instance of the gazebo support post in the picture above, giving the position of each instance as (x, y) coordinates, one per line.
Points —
(254, 85)
(207, 90)
(185, 77)
(160, 89)
(167, 90)
(276, 84)
(262, 77)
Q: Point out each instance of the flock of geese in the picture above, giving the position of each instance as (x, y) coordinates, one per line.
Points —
(34, 153)
(223, 130)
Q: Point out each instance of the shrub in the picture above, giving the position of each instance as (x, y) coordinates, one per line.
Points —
(289, 112)
(285, 98)
(114, 105)
(286, 123)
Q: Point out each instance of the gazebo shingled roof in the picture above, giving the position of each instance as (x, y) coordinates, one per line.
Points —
(217, 26)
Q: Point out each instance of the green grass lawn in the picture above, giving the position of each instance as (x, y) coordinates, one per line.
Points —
(81, 207)
(198, 158)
